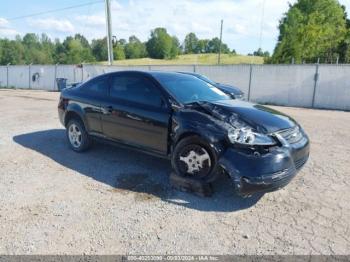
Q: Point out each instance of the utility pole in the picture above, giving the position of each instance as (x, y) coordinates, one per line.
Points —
(262, 22)
(219, 57)
(109, 32)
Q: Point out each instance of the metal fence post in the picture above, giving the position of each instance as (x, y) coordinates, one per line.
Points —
(315, 85)
(75, 74)
(30, 82)
(82, 72)
(7, 75)
(54, 79)
(194, 69)
(250, 81)
(149, 67)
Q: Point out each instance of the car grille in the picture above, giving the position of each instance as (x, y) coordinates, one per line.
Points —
(292, 135)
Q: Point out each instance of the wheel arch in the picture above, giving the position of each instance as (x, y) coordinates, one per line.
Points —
(74, 111)
(212, 141)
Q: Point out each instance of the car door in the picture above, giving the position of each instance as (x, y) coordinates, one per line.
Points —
(91, 94)
(136, 112)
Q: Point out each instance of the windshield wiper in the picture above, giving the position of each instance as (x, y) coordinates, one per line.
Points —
(196, 103)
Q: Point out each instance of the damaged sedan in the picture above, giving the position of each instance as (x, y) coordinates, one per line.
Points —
(201, 129)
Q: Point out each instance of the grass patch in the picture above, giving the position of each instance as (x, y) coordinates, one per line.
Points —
(194, 59)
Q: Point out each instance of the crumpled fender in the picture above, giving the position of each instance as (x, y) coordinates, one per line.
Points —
(190, 122)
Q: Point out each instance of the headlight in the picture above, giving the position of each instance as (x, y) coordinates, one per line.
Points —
(246, 136)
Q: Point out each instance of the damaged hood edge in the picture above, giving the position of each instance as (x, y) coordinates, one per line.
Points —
(261, 118)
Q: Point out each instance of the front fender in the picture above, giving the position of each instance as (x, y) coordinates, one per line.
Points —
(192, 123)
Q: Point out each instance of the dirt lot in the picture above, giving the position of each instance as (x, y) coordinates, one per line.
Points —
(115, 201)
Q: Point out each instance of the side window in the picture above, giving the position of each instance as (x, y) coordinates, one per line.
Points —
(135, 89)
(97, 86)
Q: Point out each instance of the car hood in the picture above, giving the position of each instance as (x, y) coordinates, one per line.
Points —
(231, 89)
(261, 118)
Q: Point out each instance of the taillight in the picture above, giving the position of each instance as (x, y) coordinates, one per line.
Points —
(63, 103)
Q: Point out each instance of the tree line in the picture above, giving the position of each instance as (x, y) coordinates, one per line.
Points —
(313, 31)
(310, 31)
(40, 49)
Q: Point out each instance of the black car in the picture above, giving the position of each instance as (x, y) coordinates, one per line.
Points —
(233, 91)
(200, 128)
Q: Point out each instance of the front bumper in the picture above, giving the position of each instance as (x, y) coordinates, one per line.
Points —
(268, 172)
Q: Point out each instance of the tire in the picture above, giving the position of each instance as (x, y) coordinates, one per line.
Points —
(79, 140)
(203, 158)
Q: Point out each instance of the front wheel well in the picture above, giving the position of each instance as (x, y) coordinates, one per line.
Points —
(71, 115)
(184, 135)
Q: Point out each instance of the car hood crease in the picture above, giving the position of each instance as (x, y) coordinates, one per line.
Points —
(261, 118)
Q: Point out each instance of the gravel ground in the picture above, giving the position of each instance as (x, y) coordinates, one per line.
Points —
(115, 201)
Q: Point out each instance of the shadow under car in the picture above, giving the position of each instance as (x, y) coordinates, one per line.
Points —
(129, 170)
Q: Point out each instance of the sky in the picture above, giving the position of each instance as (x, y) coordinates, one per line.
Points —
(244, 20)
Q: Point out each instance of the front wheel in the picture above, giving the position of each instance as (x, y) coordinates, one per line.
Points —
(78, 138)
(193, 157)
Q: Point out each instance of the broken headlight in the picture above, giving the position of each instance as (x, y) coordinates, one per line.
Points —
(245, 136)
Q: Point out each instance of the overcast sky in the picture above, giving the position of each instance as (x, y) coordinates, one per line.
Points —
(242, 19)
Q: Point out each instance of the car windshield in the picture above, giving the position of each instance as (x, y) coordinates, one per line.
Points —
(189, 89)
(206, 79)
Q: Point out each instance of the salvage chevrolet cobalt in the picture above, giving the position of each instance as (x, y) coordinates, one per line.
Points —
(201, 129)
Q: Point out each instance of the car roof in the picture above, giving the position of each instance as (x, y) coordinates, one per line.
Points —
(165, 73)
(189, 73)
(150, 73)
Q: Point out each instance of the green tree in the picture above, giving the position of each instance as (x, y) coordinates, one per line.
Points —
(47, 50)
(31, 41)
(344, 46)
(310, 29)
(160, 44)
(99, 49)
(84, 42)
(261, 53)
(59, 55)
(202, 46)
(37, 50)
(191, 44)
(213, 46)
(11, 52)
(118, 52)
(76, 52)
(135, 48)
(175, 48)
(122, 42)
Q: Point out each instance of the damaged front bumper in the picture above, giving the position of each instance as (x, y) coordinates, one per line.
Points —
(253, 173)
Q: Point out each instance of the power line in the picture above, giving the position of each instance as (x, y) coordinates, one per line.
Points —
(54, 10)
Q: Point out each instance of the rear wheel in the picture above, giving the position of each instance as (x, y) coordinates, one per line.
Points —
(78, 138)
(193, 157)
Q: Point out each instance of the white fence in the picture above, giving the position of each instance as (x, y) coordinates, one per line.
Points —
(314, 86)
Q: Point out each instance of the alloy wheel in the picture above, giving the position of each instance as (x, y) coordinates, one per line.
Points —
(75, 135)
(195, 160)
